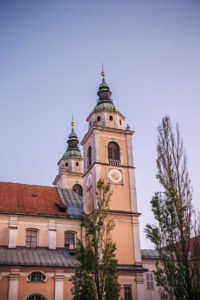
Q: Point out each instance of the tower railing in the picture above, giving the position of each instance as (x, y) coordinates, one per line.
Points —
(113, 162)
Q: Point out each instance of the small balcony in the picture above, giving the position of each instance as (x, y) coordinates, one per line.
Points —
(114, 162)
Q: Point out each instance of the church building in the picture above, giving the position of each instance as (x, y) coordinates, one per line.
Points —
(40, 225)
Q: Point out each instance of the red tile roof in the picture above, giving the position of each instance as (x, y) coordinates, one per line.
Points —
(24, 198)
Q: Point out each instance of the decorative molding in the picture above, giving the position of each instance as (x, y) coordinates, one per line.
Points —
(115, 175)
(126, 277)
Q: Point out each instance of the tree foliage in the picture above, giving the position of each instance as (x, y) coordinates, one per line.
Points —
(96, 278)
(175, 234)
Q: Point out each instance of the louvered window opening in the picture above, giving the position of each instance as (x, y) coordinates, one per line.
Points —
(36, 297)
(113, 154)
(69, 240)
(149, 280)
(36, 277)
(127, 293)
(77, 188)
(31, 238)
(89, 157)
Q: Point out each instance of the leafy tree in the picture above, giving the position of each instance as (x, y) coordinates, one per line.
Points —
(175, 234)
(96, 278)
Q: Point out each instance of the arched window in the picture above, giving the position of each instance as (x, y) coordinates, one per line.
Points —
(113, 152)
(77, 188)
(89, 157)
(31, 238)
(36, 297)
(70, 240)
(36, 277)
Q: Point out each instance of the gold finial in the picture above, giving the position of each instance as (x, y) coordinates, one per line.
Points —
(102, 72)
(72, 121)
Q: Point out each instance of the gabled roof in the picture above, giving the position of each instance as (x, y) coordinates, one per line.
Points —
(34, 199)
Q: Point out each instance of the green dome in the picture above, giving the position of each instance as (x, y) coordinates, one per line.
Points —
(71, 154)
(73, 148)
(105, 106)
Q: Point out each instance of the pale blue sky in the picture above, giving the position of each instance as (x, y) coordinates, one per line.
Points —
(50, 61)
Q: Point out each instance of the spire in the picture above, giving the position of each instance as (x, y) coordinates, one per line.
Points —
(72, 135)
(73, 148)
(104, 92)
(102, 72)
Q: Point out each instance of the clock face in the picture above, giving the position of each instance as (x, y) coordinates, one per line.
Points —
(115, 176)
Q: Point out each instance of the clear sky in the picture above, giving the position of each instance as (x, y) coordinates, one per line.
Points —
(50, 62)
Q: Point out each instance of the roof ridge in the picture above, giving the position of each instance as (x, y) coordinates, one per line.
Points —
(17, 183)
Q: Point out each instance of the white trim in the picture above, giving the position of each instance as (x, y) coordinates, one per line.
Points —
(113, 137)
(75, 180)
(28, 280)
(126, 277)
(43, 224)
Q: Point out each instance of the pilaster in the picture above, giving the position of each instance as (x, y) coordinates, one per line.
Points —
(136, 237)
(12, 232)
(52, 235)
(13, 284)
(59, 284)
(140, 286)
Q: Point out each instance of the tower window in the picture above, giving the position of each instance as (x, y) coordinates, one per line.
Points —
(77, 164)
(120, 122)
(89, 157)
(98, 118)
(36, 277)
(127, 293)
(77, 188)
(111, 118)
(69, 240)
(31, 238)
(66, 164)
(113, 151)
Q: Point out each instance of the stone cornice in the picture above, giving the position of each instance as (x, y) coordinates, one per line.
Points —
(108, 129)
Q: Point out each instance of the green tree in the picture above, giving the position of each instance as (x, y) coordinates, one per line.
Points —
(96, 277)
(175, 230)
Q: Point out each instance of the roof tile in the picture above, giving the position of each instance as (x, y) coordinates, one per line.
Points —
(24, 198)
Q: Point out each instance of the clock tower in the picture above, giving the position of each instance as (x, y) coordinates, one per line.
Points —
(107, 151)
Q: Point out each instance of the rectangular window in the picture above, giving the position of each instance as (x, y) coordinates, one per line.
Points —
(31, 238)
(127, 293)
(150, 281)
(70, 240)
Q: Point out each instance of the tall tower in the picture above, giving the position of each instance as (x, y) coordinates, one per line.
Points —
(71, 166)
(107, 148)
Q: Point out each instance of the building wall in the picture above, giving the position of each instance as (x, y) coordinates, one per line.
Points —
(42, 224)
(150, 294)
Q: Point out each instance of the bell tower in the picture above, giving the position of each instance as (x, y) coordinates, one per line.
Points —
(107, 148)
(71, 166)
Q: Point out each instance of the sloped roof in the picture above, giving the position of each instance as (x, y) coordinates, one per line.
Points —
(37, 257)
(73, 202)
(35, 199)
(149, 253)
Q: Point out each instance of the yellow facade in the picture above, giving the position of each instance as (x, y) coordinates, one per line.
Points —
(105, 130)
